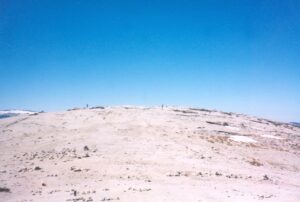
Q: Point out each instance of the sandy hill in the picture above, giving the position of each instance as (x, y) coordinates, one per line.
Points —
(148, 154)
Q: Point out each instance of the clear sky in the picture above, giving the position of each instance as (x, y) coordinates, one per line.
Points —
(241, 56)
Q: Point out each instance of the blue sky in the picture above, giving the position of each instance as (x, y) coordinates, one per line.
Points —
(240, 56)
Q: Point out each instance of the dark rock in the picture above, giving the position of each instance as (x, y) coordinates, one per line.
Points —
(218, 174)
(266, 177)
(98, 107)
(4, 189)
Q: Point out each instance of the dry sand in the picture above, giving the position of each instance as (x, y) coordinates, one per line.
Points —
(148, 154)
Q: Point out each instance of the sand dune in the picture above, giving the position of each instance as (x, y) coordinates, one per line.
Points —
(148, 154)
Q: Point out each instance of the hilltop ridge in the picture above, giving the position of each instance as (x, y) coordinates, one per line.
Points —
(130, 153)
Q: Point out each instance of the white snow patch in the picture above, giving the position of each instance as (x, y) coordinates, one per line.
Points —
(15, 112)
(272, 136)
(232, 128)
(239, 138)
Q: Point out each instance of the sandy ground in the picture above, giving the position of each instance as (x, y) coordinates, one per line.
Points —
(148, 154)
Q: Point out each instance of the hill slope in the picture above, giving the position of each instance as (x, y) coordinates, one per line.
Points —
(148, 154)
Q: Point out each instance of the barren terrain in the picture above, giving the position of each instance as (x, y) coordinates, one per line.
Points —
(148, 154)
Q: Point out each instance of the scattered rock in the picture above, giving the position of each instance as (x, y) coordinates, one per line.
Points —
(218, 174)
(199, 109)
(266, 177)
(185, 111)
(74, 192)
(4, 189)
(232, 176)
(213, 123)
(178, 173)
(110, 199)
(255, 162)
(76, 169)
(23, 170)
(98, 107)
(263, 196)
